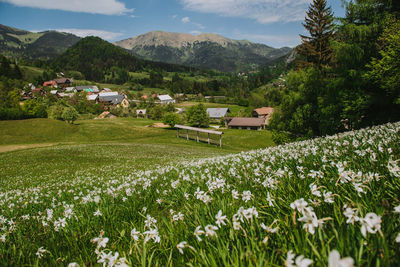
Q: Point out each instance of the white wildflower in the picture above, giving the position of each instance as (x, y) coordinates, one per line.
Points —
(181, 246)
(135, 234)
(220, 219)
(270, 200)
(97, 213)
(198, 232)
(334, 260)
(351, 215)
(152, 234)
(328, 197)
(398, 238)
(235, 194)
(301, 261)
(397, 209)
(371, 223)
(246, 196)
(40, 252)
(210, 230)
(299, 204)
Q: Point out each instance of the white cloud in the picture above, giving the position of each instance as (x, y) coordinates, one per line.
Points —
(195, 32)
(174, 16)
(106, 35)
(106, 7)
(185, 19)
(200, 26)
(263, 11)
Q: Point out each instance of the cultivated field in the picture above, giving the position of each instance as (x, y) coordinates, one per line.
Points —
(294, 204)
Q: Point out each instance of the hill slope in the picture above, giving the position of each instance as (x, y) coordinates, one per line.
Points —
(205, 50)
(31, 45)
(96, 58)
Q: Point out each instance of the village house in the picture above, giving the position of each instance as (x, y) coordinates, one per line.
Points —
(61, 95)
(217, 113)
(141, 113)
(63, 82)
(58, 83)
(92, 97)
(264, 112)
(166, 99)
(111, 99)
(247, 123)
(70, 89)
(125, 103)
(87, 88)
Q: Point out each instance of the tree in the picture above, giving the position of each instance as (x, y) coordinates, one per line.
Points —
(197, 116)
(69, 114)
(55, 112)
(385, 70)
(157, 112)
(319, 23)
(171, 119)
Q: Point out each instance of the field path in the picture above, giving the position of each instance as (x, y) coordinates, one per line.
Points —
(8, 148)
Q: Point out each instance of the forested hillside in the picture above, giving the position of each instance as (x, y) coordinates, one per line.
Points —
(347, 72)
(27, 45)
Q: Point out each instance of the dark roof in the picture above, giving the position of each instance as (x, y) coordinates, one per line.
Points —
(62, 80)
(113, 99)
(247, 122)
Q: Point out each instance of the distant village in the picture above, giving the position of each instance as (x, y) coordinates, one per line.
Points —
(63, 88)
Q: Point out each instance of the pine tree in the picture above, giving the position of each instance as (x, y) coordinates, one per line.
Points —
(319, 23)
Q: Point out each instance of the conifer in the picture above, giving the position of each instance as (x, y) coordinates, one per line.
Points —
(315, 49)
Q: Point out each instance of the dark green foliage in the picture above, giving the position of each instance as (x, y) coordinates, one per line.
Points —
(34, 46)
(319, 23)
(69, 114)
(156, 112)
(359, 86)
(34, 109)
(171, 119)
(385, 70)
(55, 112)
(197, 116)
(94, 57)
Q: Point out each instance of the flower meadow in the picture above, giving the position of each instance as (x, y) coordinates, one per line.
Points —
(332, 201)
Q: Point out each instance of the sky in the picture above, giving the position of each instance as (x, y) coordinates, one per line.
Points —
(276, 23)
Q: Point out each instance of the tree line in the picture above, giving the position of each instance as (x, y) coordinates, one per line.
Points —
(347, 71)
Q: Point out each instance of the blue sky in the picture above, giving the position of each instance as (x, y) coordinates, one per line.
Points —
(273, 22)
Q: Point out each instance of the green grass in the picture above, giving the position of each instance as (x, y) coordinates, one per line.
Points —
(125, 130)
(116, 194)
(30, 73)
(122, 144)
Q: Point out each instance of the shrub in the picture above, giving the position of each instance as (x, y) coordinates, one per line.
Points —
(197, 116)
(171, 119)
(55, 112)
(69, 114)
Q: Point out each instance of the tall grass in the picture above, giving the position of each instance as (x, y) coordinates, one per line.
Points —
(298, 204)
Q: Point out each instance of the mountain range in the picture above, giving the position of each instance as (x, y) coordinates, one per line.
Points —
(206, 50)
(34, 45)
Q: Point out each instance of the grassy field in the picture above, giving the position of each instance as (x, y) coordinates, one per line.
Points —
(46, 148)
(330, 201)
